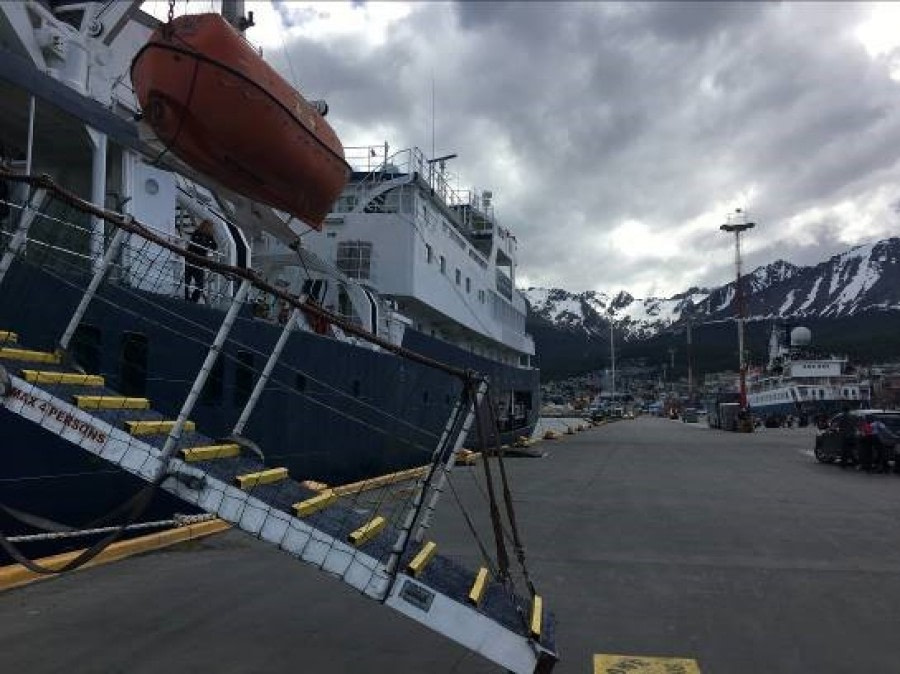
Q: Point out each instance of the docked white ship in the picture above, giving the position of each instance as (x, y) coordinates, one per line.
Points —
(800, 381)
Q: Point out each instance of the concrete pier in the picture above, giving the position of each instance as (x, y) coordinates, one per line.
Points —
(646, 538)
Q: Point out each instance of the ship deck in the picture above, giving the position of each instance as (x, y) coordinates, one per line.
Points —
(646, 538)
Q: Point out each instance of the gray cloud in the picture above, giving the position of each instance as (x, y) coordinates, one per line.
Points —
(582, 116)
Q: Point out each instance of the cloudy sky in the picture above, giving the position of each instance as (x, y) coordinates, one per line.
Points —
(618, 137)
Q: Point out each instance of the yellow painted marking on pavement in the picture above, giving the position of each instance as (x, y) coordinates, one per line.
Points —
(74, 378)
(641, 664)
(8, 337)
(15, 575)
(420, 561)
(269, 476)
(367, 531)
(478, 587)
(154, 427)
(537, 616)
(31, 356)
(314, 504)
(210, 452)
(111, 403)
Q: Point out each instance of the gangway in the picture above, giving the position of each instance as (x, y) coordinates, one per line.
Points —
(388, 557)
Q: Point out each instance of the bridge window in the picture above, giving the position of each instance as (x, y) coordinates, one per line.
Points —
(443, 265)
(429, 253)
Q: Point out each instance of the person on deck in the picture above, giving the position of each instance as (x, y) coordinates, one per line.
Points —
(201, 242)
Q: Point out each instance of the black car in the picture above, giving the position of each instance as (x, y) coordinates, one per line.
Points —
(829, 441)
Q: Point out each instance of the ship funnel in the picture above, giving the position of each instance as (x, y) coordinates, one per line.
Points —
(801, 337)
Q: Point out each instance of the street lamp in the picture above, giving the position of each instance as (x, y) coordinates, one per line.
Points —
(612, 355)
(738, 223)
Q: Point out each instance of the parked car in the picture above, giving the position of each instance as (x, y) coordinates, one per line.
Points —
(829, 441)
(689, 415)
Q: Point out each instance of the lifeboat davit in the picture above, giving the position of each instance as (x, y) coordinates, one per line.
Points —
(215, 103)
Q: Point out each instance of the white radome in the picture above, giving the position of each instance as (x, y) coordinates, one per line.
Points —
(801, 337)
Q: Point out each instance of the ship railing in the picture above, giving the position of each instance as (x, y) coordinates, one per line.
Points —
(375, 161)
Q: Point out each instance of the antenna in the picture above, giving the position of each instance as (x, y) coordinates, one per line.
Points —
(432, 114)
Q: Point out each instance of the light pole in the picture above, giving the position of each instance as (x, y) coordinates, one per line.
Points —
(738, 223)
(612, 356)
(690, 361)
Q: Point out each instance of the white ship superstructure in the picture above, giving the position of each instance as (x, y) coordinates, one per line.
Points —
(401, 229)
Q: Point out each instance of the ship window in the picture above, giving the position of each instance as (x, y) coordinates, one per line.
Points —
(429, 253)
(133, 368)
(300, 382)
(213, 389)
(243, 377)
(468, 284)
(458, 277)
(443, 265)
(86, 343)
(354, 258)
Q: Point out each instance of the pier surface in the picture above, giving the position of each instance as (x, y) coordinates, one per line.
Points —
(647, 538)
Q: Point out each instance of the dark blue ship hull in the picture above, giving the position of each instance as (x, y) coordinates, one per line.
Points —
(333, 411)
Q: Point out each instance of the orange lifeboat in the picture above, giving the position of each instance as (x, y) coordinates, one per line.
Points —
(214, 102)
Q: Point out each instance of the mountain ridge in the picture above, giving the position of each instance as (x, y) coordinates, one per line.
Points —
(862, 279)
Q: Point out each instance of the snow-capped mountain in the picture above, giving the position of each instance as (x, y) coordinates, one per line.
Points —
(864, 278)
